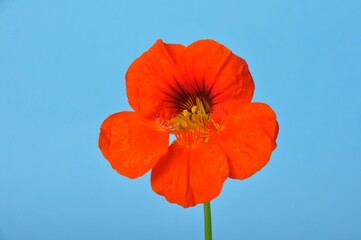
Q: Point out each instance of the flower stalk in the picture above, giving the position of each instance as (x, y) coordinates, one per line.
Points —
(207, 221)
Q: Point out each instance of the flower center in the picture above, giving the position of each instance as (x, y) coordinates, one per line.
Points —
(194, 123)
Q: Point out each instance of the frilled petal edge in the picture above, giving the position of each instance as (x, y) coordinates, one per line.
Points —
(166, 75)
(247, 136)
(132, 144)
(190, 174)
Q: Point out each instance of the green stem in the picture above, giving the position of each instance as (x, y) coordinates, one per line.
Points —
(207, 221)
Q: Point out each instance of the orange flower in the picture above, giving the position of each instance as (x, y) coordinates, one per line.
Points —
(202, 94)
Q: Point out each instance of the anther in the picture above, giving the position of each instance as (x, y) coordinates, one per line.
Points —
(194, 109)
(186, 113)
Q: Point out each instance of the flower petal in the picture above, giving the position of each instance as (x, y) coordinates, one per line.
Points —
(149, 77)
(131, 143)
(190, 174)
(211, 67)
(247, 136)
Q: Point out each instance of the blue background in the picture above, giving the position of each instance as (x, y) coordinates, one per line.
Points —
(62, 67)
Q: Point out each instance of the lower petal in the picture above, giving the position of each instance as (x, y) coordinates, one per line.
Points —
(247, 136)
(132, 144)
(190, 174)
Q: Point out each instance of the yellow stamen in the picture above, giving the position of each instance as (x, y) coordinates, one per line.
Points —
(186, 113)
(194, 123)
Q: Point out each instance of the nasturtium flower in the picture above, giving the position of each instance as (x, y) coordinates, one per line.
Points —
(201, 94)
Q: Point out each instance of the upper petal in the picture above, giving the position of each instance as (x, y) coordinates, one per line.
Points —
(150, 76)
(190, 174)
(131, 143)
(212, 69)
(247, 135)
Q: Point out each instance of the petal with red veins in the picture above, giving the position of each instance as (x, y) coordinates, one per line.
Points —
(212, 69)
(150, 76)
